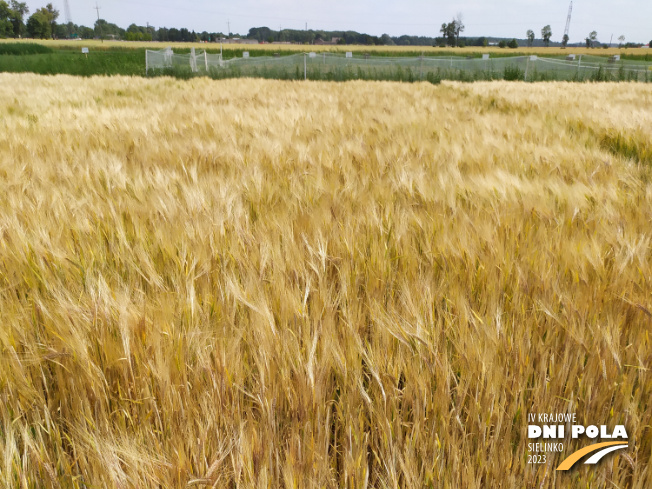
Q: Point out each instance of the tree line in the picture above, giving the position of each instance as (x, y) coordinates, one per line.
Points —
(42, 24)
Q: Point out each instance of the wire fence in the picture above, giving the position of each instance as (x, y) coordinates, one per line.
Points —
(330, 66)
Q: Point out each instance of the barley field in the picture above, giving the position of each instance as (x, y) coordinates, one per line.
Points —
(254, 283)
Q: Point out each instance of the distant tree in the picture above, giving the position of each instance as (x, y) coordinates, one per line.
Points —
(564, 40)
(184, 35)
(530, 38)
(39, 25)
(512, 44)
(621, 39)
(137, 33)
(85, 32)
(593, 37)
(105, 29)
(451, 31)
(18, 12)
(260, 34)
(60, 31)
(502, 44)
(53, 15)
(448, 33)
(6, 27)
(387, 40)
(173, 35)
(546, 34)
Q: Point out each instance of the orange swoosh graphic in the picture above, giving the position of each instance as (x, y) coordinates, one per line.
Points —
(571, 459)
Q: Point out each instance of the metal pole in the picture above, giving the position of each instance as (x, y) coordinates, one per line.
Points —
(305, 68)
(526, 68)
(99, 26)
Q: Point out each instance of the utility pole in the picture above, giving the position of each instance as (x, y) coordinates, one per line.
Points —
(99, 26)
(228, 27)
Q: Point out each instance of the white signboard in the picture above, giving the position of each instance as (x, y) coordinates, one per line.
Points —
(312, 55)
(485, 56)
(84, 50)
(349, 54)
(533, 58)
(245, 54)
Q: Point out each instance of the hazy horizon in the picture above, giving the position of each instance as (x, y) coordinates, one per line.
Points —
(411, 17)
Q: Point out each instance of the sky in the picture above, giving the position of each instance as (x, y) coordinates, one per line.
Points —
(630, 18)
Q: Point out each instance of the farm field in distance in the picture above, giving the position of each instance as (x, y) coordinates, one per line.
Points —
(394, 50)
(286, 62)
(255, 283)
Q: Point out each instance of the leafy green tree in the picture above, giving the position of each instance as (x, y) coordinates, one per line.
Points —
(53, 15)
(448, 33)
(104, 29)
(60, 31)
(387, 40)
(546, 34)
(85, 32)
(502, 44)
(512, 44)
(592, 39)
(530, 38)
(451, 31)
(39, 25)
(564, 41)
(19, 11)
(6, 27)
